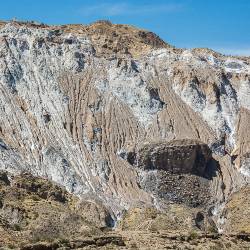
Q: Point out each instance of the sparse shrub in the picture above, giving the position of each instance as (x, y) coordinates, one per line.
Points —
(11, 246)
(35, 215)
(63, 241)
(35, 239)
(212, 230)
(242, 232)
(17, 227)
(35, 197)
(193, 235)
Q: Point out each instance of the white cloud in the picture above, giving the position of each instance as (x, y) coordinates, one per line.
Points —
(118, 9)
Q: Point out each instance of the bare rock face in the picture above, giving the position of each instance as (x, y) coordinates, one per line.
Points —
(176, 157)
(74, 96)
(175, 171)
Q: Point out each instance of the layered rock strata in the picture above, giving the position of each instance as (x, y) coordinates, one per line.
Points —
(176, 157)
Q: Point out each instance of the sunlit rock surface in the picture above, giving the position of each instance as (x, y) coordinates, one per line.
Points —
(74, 97)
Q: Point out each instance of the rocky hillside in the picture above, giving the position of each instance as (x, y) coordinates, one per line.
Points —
(124, 120)
(37, 214)
(35, 210)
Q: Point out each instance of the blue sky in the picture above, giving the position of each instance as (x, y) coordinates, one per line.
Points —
(223, 25)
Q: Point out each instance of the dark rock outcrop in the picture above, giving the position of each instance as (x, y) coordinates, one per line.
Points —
(178, 157)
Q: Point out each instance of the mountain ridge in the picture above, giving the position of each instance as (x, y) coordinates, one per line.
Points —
(102, 24)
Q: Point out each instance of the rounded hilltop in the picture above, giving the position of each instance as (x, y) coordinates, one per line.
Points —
(109, 38)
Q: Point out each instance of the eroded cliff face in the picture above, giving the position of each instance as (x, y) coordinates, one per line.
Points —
(74, 98)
